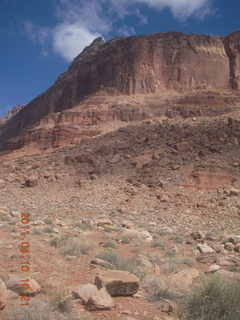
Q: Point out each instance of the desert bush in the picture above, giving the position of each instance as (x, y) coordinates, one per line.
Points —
(61, 302)
(47, 220)
(171, 265)
(76, 247)
(37, 310)
(119, 263)
(107, 229)
(213, 298)
(177, 239)
(83, 225)
(48, 229)
(37, 232)
(159, 290)
(110, 244)
(126, 240)
(57, 241)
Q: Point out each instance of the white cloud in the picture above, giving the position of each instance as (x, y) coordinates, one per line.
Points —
(182, 9)
(70, 39)
(126, 31)
(81, 21)
(36, 33)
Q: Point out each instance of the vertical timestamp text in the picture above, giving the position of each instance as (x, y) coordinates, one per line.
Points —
(25, 263)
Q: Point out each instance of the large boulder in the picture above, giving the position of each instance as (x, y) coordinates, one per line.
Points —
(15, 284)
(3, 294)
(101, 300)
(118, 283)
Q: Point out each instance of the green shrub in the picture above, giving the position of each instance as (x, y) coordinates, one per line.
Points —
(213, 298)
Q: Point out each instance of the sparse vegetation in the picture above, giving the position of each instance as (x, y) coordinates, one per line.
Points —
(159, 290)
(107, 229)
(110, 244)
(57, 241)
(212, 298)
(119, 263)
(75, 247)
(61, 302)
(125, 240)
(171, 265)
(48, 229)
(47, 221)
(177, 239)
(37, 232)
(37, 310)
(83, 225)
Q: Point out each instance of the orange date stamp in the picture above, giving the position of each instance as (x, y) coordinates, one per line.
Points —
(25, 250)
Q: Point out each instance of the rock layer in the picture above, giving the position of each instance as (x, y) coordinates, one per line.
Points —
(136, 65)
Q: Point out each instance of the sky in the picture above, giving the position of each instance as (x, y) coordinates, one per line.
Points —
(39, 39)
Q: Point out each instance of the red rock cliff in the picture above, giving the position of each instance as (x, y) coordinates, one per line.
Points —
(137, 65)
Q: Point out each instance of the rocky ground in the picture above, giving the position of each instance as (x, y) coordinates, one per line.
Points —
(159, 198)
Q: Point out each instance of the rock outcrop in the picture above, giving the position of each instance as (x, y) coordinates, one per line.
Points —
(148, 65)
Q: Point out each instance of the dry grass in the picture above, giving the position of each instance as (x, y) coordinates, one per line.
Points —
(37, 310)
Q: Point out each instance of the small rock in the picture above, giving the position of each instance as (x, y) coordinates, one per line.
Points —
(104, 222)
(128, 224)
(100, 301)
(204, 248)
(84, 292)
(235, 192)
(3, 295)
(229, 246)
(100, 262)
(213, 268)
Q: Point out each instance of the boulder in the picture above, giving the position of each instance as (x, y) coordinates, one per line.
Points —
(84, 292)
(184, 278)
(3, 295)
(118, 283)
(101, 300)
(14, 283)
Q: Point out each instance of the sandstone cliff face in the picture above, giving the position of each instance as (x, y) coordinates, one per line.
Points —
(137, 65)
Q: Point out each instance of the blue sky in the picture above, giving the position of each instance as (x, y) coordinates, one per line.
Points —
(40, 38)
